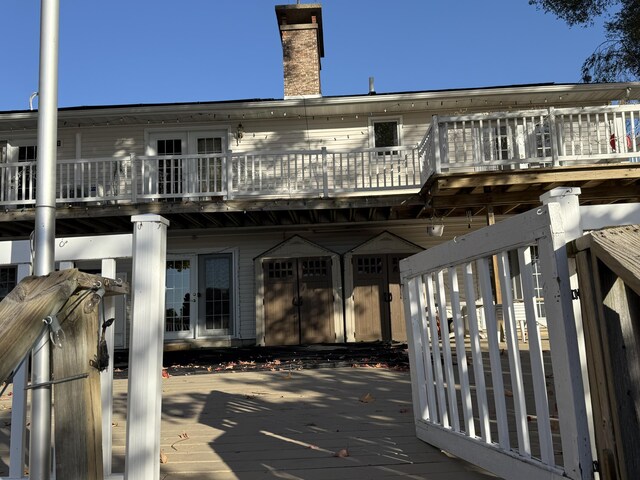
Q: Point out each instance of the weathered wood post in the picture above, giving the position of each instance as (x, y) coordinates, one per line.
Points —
(68, 301)
(145, 348)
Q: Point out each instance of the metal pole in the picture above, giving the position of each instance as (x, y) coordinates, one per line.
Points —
(40, 451)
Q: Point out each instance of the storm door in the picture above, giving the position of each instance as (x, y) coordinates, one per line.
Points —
(298, 301)
(379, 311)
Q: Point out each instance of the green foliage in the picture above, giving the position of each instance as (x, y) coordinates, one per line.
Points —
(617, 58)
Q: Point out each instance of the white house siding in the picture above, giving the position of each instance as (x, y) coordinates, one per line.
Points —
(254, 242)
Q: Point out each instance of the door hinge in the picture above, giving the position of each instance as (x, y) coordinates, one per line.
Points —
(575, 294)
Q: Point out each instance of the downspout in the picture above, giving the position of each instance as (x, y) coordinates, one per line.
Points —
(44, 234)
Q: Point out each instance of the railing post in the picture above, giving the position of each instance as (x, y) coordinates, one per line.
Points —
(145, 350)
(436, 144)
(567, 198)
(325, 176)
(229, 174)
(106, 376)
(568, 345)
(554, 137)
(134, 179)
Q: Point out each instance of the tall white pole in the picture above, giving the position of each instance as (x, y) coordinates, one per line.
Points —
(40, 451)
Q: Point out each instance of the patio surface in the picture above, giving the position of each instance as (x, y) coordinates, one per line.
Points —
(329, 423)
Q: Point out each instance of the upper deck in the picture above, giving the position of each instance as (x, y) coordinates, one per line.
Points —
(462, 164)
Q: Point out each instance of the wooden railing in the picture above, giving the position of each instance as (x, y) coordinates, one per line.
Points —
(527, 139)
(518, 412)
(289, 174)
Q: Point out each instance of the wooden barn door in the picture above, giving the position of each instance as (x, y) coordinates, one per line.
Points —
(282, 322)
(315, 300)
(298, 301)
(379, 312)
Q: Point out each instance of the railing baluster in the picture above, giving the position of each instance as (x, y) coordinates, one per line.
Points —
(461, 354)
(513, 351)
(437, 356)
(446, 348)
(494, 353)
(476, 355)
(537, 361)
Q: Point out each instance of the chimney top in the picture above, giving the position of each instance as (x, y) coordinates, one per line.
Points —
(301, 14)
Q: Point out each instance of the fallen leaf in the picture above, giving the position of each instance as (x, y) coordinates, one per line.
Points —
(163, 457)
(403, 410)
(367, 398)
(114, 424)
(341, 453)
(165, 373)
(508, 392)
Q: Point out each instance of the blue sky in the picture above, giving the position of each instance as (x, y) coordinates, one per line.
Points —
(154, 51)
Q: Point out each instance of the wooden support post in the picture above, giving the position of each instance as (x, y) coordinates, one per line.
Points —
(145, 348)
(491, 220)
(22, 312)
(78, 417)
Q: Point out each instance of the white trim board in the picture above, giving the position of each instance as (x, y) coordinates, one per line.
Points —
(71, 249)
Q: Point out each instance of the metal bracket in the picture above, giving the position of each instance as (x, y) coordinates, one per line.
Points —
(575, 294)
(80, 376)
(56, 334)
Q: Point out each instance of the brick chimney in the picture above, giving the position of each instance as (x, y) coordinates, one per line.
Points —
(302, 47)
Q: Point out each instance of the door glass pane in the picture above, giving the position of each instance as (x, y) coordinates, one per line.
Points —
(209, 167)
(178, 296)
(169, 170)
(217, 287)
(26, 175)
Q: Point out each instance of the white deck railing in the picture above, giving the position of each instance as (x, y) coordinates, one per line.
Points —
(290, 174)
(537, 138)
(518, 412)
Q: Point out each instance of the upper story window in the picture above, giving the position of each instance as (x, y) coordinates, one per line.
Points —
(27, 153)
(385, 132)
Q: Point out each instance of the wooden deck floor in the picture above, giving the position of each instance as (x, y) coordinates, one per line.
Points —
(287, 425)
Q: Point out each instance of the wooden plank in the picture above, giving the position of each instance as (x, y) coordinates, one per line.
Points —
(564, 174)
(618, 249)
(620, 313)
(601, 383)
(22, 311)
(78, 405)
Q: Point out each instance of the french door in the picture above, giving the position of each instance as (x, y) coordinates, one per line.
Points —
(186, 163)
(199, 297)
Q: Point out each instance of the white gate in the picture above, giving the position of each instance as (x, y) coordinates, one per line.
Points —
(147, 247)
(519, 410)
